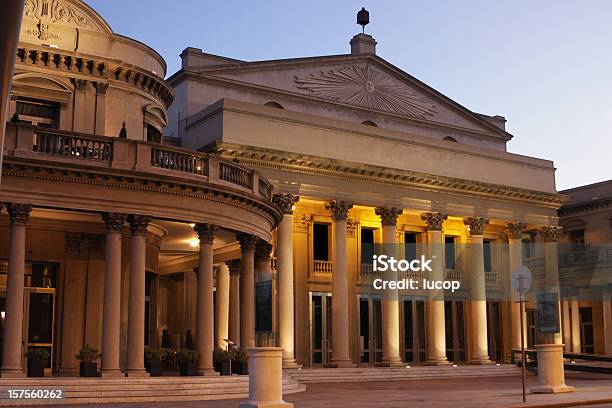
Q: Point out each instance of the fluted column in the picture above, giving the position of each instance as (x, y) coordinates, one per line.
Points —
(340, 285)
(436, 332)
(234, 301)
(478, 291)
(136, 298)
(247, 290)
(575, 323)
(551, 277)
(205, 307)
(567, 326)
(222, 299)
(112, 296)
(514, 232)
(13, 320)
(390, 303)
(284, 271)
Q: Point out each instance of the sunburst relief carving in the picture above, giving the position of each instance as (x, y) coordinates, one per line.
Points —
(361, 85)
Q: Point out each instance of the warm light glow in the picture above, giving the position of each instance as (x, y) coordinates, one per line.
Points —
(2, 314)
(454, 365)
(407, 366)
(199, 168)
(194, 242)
(192, 225)
(293, 207)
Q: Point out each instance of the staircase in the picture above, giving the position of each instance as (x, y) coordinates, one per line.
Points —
(324, 375)
(157, 389)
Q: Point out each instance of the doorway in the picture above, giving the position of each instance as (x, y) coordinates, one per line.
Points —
(454, 320)
(414, 330)
(370, 329)
(494, 337)
(320, 328)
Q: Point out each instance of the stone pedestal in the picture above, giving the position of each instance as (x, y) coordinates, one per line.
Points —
(551, 377)
(265, 379)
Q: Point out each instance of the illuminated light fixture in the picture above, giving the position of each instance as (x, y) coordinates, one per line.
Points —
(499, 365)
(194, 242)
(293, 207)
(199, 168)
(2, 314)
(407, 366)
(53, 46)
(454, 365)
(192, 225)
(573, 362)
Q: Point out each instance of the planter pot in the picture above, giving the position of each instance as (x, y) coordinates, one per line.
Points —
(188, 369)
(88, 369)
(36, 368)
(240, 368)
(226, 368)
(155, 368)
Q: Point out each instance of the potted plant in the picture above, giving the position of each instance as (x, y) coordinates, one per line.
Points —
(89, 361)
(188, 362)
(222, 361)
(165, 342)
(241, 363)
(37, 361)
(154, 360)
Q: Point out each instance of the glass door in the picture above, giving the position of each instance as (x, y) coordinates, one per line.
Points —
(494, 330)
(39, 306)
(454, 319)
(414, 330)
(320, 328)
(370, 329)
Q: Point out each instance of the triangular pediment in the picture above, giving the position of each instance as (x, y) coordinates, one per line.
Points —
(360, 81)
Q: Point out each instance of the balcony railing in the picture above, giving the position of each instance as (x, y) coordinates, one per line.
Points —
(68, 148)
(491, 277)
(323, 267)
(454, 274)
(367, 269)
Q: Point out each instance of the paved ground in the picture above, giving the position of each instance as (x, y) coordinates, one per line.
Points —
(447, 393)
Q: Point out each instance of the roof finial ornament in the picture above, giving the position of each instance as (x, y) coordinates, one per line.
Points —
(363, 19)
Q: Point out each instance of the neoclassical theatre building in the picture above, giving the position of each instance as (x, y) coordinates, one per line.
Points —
(242, 201)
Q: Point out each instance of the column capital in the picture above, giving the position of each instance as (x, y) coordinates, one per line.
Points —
(101, 87)
(139, 223)
(95, 243)
(262, 251)
(247, 241)
(339, 209)
(73, 241)
(388, 215)
(234, 266)
(285, 202)
(114, 221)
(19, 213)
(514, 230)
(434, 220)
(476, 224)
(79, 84)
(206, 232)
(551, 233)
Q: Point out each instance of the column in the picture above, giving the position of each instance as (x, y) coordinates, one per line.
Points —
(551, 277)
(575, 323)
(223, 293)
(478, 291)
(205, 312)
(100, 108)
(136, 299)
(13, 321)
(284, 273)
(74, 305)
(390, 303)
(247, 290)
(79, 113)
(112, 296)
(607, 323)
(514, 232)
(567, 326)
(340, 285)
(234, 301)
(436, 335)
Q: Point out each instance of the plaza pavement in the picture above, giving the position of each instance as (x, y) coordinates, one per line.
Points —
(444, 393)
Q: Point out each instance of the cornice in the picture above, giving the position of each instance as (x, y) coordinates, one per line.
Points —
(580, 208)
(313, 165)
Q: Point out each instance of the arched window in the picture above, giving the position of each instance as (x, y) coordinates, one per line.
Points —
(273, 104)
(450, 139)
(369, 123)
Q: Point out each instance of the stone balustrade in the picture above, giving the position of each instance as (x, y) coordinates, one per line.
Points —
(323, 267)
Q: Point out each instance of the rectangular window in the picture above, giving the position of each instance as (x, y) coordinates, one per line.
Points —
(529, 246)
(263, 306)
(449, 252)
(367, 245)
(320, 242)
(486, 250)
(410, 248)
(38, 112)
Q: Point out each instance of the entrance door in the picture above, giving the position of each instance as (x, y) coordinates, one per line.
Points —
(39, 306)
(370, 329)
(320, 328)
(413, 316)
(586, 330)
(454, 319)
(494, 330)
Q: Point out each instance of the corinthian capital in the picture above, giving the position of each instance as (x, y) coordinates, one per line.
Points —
(476, 224)
(19, 213)
(339, 209)
(139, 223)
(388, 215)
(514, 230)
(285, 202)
(551, 233)
(206, 232)
(247, 241)
(114, 221)
(434, 220)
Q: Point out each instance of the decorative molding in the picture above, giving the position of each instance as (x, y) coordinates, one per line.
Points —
(551, 233)
(514, 230)
(434, 220)
(352, 225)
(301, 223)
(285, 202)
(19, 213)
(72, 241)
(114, 221)
(388, 215)
(62, 12)
(364, 86)
(339, 209)
(234, 266)
(139, 223)
(79, 84)
(262, 251)
(206, 232)
(476, 224)
(247, 241)
(101, 87)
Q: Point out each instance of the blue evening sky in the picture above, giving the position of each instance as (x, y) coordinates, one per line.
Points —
(545, 65)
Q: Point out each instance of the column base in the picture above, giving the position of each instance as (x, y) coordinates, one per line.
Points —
(111, 373)
(208, 373)
(136, 373)
(340, 364)
(437, 362)
(262, 404)
(290, 364)
(391, 363)
(481, 360)
(551, 389)
(12, 373)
